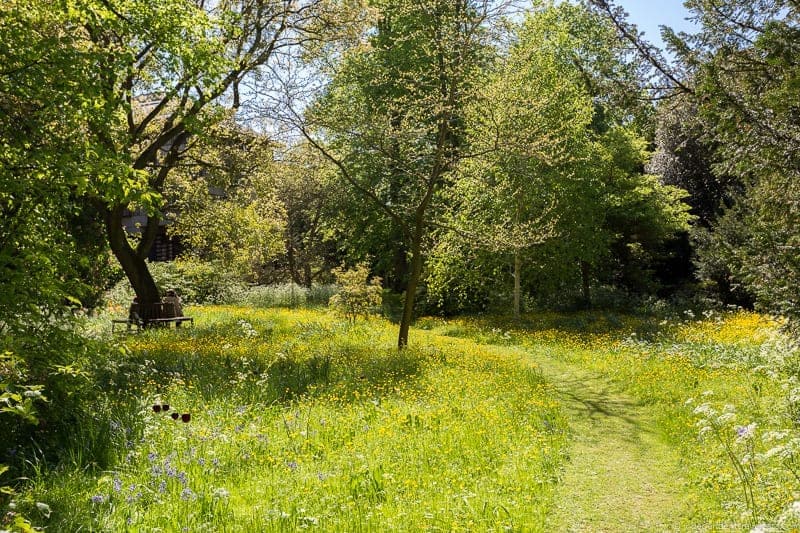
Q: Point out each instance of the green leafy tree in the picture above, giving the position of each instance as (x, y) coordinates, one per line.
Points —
(308, 188)
(222, 201)
(740, 71)
(359, 295)
(559, 184)
(146, 80)
(46, 162)
(392, 118)
(530, 125)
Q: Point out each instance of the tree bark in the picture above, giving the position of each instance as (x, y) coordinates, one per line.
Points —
(308, 276)
(400, 269)
(292, 263)
(413, 281)
(585, 285)
(517, 275)
(132, 261)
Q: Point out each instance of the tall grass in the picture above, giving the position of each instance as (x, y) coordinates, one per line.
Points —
(288, 295)
(299, 421)
(725, 388)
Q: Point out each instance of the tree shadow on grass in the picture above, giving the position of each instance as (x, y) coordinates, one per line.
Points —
(269, 369)
(502, 329)
(600, 403)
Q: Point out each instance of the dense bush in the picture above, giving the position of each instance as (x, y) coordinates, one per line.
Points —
(359, 295)
(50, 379)
(195, 282)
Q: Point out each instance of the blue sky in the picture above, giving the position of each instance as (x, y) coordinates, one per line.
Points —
(648, 15)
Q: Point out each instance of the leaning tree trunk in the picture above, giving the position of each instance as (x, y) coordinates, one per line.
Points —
(132, 260)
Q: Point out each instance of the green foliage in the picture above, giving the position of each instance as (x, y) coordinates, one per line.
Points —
(358, 295)
(745, 80)
(392, 119)
(196, 282)
(231, 216)
(557, 192)
(317, 224)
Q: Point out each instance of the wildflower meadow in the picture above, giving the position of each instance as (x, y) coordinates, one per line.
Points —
(282, 420)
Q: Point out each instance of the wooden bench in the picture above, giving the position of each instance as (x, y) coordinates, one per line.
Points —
(155, 315)
(165, 322)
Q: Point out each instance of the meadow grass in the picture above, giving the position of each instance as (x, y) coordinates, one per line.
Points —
(722, 386)
(301, 421)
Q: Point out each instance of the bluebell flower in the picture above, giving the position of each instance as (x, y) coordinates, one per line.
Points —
(187, 494)
(98, 498)
(117, 484)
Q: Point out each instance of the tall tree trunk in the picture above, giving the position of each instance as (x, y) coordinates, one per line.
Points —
(308, 276)
(290, 258)
(517, 276)
(585, 285)
(413, 281)
(399, 269)
(132, 261)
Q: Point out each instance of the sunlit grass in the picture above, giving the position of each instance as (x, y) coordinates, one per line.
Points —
(299, 420)
(726, 361)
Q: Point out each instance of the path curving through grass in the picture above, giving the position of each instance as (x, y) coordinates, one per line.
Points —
(621, 474)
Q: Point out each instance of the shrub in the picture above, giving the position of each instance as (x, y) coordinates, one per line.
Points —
(358, 295)
(196, 282)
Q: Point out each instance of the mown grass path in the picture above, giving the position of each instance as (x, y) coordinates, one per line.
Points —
(621, 475)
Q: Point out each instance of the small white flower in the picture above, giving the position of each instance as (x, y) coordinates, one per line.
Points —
(746, 432)
(221, 493)
(794, 508)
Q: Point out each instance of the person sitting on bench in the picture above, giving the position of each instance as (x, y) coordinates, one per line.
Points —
(172, 305)
(133, 313)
